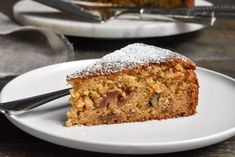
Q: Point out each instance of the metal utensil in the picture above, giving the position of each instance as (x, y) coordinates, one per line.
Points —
(22, 105)
(164, 16)
(71, 9)
(198, 14)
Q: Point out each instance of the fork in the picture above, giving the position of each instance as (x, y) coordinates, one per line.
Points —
(23, 105)
(199, 14)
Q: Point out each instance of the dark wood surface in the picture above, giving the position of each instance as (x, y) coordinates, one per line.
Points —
(212, 48)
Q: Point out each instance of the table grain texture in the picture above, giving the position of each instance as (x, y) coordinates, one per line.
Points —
(212, 48)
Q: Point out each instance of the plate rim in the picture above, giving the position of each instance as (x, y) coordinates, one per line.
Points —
(207, 140)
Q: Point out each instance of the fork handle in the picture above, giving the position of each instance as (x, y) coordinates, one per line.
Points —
(217, 8)
(226, 10)
(200, 14)
(18, 106)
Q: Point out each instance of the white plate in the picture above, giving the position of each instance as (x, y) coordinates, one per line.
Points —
(214, 122)
(29, 12)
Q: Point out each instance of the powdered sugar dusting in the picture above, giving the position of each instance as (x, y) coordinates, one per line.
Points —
(126, 58)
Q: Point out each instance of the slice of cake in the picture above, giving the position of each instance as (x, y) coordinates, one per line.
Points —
(136, 83)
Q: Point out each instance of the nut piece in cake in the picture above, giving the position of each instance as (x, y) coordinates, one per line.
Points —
(136, 83)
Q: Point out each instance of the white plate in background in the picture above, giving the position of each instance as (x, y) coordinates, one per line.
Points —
(29, 12)
(214, 122)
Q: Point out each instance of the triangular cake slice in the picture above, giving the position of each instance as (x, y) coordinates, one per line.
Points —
(136, 83)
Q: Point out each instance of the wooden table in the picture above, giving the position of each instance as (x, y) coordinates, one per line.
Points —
(212, 48)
